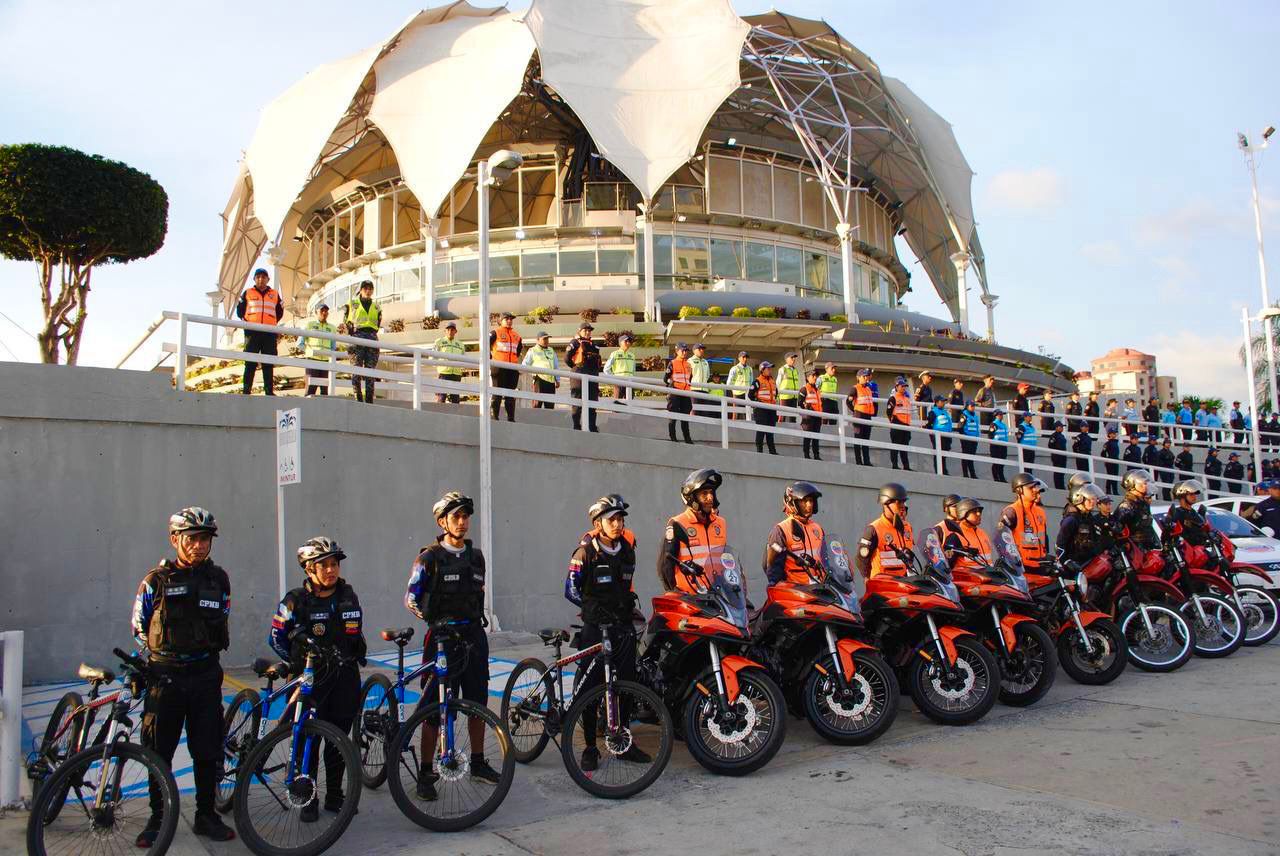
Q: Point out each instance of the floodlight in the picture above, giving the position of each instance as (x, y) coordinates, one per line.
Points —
(502, 163)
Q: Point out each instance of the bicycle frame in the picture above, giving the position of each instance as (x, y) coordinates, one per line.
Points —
(265, 700)
(302, 713)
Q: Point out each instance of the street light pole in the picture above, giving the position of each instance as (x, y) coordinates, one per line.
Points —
(1267, 331)
(961, 261)
(1256, 445)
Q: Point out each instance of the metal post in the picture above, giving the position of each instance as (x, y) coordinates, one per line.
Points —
(844, 452)
(333, 366)
(845, 232)
(961, 261)
(724, 421)
(989, 301)
(11, 723)
(650, 294)
(486, 434)
(1254, 431)
(280, 538)
(215, 300)
(1262, 274)
(180, 364)
(417, 380)
(429, 269)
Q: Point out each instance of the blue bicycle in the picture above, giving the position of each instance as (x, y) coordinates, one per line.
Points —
(280, 781)
(426, 759)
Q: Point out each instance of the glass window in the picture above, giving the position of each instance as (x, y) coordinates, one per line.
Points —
(409, 283)
(690, 200)
(601, 197)
(466, 270)
(538, 264)
(725, 179)
(885, 290)
(757, 189)
(617, 261)
(504, 267)
(790, 266)
(504, 206)
(726, 258)
(690, 256)
(387, 220)
(661, 256)
(786, 195)
(835, 274)
(815, 272)
(577, 261)
(759, 262)
(357, 230)
(440, 273)
(814, 201)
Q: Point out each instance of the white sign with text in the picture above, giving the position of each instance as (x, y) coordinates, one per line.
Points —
(289, 446)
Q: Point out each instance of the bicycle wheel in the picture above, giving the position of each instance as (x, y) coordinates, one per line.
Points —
(374, 726)
(629, 757)
(278, 794)
(439, 790)
(529, 709)
(56, 747)
(240, 729)
(89, 825)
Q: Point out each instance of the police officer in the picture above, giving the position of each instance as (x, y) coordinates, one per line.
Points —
(1166, 460)
(948, 521)
(447, 583)
(1132, 451)
(863, 405)
(700, 373)
(1111, 451)
(325, 608)
(314, 345)
(740, 378)
(678, 376)
(940, 422)
(622, 363)
(1027, 438)
(583, 357)
(970, 429)
(887, 538)
(1183, 520)
(1073, 408)
(1076, 481)
(998, 431)
(798, 542)
(1213, 469)
(1183, 461)
(1134, 511)
(789, 383)
(1025, 519)
(542, 356)
(600, 581)
(449, 344)
(260, 304)
(899, 410)
(697, 535)
(811, 402)
(1048, 412)
(829, 385)
(1084, 533)
(1020, 403)
(505, 346)
(924, 398)
(764, 389)
(1233, 472)
(1267, 512)
(180, 622)
(1057, 445)
(967, 546)
(985, 399)
(957, 400)
(363, 317)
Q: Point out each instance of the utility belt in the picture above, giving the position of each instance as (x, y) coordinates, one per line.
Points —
(163, 663)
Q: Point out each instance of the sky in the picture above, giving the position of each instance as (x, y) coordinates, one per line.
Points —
(1113, 205)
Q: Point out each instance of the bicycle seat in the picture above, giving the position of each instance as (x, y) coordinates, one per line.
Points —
(397, 634)
(95, 674)
(553, 635)
(264, 668)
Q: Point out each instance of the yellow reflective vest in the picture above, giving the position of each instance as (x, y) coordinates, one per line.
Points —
(449, 346)
(364, 319)
(318, 343)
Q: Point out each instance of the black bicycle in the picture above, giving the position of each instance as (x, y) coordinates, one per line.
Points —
(628, 719)
(98, 799)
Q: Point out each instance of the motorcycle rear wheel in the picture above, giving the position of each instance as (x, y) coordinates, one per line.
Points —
(1222, 633)
(866, 714)
(1169, 649)
(736, 751)
(1106, 663)
(1261, 615)
(962, 706)
(1028, 674)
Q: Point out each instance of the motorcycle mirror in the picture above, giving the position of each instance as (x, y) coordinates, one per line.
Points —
(1268, 531)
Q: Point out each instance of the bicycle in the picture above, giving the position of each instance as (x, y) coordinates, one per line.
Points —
(633, 714)
(246, 721)
(282, 817)
(437, 793)
(107, 783)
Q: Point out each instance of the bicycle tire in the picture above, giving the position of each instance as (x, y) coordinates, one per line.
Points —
(365, 733)
(526, 746)
(317, 729)
(666, 739)
(54, 756)
(398, 768)
(240, 724)
(72, 772)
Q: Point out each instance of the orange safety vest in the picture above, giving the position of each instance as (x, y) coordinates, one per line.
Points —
(803, 539)
(812, 397)
(884, 560)
(704, 541)
(506, 345)
(864, 401)
(1031, 535)
(260, 307)
(766, 390)
(977, 541)
(681, 373)
(901, 405)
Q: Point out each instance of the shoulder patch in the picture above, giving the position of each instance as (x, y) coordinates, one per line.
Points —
(671, 532)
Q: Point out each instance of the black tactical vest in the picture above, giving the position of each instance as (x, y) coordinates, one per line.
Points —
(1136, 516)
(606, 583)
(337, 621)
(187, 615)
(456, 589)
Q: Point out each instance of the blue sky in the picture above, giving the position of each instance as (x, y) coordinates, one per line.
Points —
(1112, 202)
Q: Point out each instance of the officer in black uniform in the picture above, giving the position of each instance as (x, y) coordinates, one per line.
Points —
(1134, 511)
(1213, 469)
(326, 608)
(1057, 445)
(1183, 520)
(1111, 451)
(1132, 451)
(1167, 460)
(447, 583)
(1233, 472)
(1084, 533)
(583, 356)
(601, 572)
(1183, 460)
(1267, 512)
(180, 623)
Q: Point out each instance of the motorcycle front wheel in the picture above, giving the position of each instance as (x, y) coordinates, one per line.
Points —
(1166, 646)
(746, 736)
(1029, 671)
(1261, 615)
(1218, 628)
(859, 714)
(961, 694)
(1100, 663)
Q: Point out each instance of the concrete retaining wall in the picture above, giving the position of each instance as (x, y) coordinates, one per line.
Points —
(93, 461)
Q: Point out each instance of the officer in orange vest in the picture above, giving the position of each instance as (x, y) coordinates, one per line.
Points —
(1025, 520)
(678, 377)
(811, 401)
(798, 541)
(888, 537)
(862, 403)
(899, 413)
(764, 389)
(505, 345)
(696, 535)
(260, 304)
(968, 547)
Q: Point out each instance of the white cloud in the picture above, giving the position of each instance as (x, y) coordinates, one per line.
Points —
(1035, 189)
(1105, 253)
(1178, 273)
(1203, 364)
(1189, 222)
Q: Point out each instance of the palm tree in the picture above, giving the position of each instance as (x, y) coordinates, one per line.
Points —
(1258, 345)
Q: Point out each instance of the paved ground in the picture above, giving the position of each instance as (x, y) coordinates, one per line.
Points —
(1181, 763)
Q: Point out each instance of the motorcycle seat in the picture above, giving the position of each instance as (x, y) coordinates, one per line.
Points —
(269, 669)
(553, 635)
(396, 634)
(95, 674)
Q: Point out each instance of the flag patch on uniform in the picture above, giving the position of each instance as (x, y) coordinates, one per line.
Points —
(353, 626)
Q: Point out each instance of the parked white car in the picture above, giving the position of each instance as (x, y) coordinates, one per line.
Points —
(1253, 546)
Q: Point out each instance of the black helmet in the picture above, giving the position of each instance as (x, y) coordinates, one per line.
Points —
(1136, 482)
(193, 519)
(1086, 491)
(1077, 480)
(892, 492)
(319, 548)
(965, 506)
(1187, 487)
(698, 480)
(1022, 480)
(450, 502)
(611, 504)
(949, 502)
(797, 491)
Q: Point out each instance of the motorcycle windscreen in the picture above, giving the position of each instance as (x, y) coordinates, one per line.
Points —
(939, 568)
(1008, 556)
(728, 586)
(835, 558)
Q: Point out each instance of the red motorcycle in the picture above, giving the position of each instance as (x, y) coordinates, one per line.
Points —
(814, 639)
(1257, 605)
(1219, 627)
(1091, 648)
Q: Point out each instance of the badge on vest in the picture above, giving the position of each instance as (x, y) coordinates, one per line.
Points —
(605, 579)
(352, 614)
(171, 591)
(451, 578)
(210, 604)
(318, 629)
(319, 616)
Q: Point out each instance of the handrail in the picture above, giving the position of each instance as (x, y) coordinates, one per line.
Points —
(142, 340)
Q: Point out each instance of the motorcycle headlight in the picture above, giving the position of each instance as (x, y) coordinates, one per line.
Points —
(1082, 584)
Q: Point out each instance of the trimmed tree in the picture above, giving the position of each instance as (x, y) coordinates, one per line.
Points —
(69, 212)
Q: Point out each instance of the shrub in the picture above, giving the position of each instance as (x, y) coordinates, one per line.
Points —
(610, 339)
(803, 314)
(781, 311)
(494, 318)
(840, 318)
(741, 312)
(431, 322)
(396, 326)
(713, 311)
(652, 364)
(589, 315)
(622, 310)
(553, 309)
(766, 312)
(825, 316)
(539, 315)
(689, 312)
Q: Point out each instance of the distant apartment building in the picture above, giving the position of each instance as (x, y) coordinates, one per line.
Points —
(1129, 372)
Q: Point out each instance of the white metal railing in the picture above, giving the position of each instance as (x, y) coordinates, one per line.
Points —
(417, 380)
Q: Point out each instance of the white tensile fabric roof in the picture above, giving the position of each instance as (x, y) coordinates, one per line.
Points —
(644, 76)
